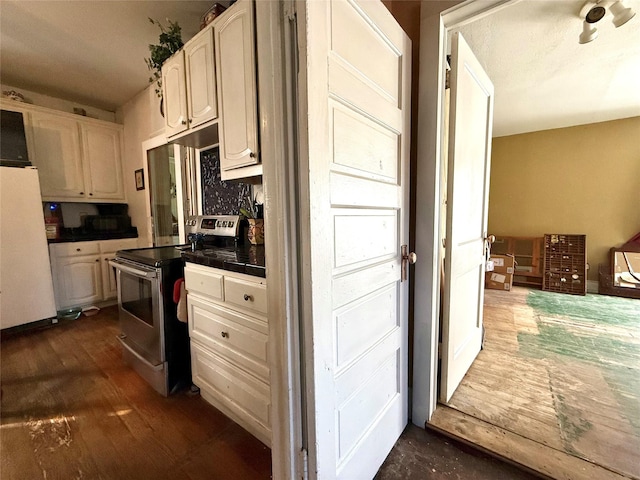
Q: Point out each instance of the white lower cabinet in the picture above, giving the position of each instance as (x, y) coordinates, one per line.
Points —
(229, 337)
(79, 280)
(81, 272)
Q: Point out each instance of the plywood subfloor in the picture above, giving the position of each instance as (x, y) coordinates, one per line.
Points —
(568, 383)
(71, 409)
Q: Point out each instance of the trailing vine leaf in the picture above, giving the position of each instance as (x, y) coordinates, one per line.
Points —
(170, 41)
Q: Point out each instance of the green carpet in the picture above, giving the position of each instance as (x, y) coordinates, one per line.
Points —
(601, 330)
(623, 312)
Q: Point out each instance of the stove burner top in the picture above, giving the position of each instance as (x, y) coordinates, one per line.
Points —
(152, 256)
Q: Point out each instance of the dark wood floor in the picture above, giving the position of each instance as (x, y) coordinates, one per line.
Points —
(71, 409)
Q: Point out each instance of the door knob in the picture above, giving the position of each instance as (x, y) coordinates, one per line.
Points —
(407, 257)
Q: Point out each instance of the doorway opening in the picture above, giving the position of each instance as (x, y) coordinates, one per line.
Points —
(550, 381)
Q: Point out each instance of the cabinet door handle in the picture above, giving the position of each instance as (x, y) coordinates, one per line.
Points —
(81, 193)
(225, 335)
(184, 122)
(91, 194)
(252, 155)
(97, 259)
(247, 297)
(78, 250)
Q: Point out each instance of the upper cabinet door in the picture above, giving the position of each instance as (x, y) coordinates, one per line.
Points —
(201, 79)
(103, 164)
(175, 94)
(235, 59)
(57, 154)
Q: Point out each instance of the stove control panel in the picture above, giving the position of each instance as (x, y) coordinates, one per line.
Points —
(218, 225)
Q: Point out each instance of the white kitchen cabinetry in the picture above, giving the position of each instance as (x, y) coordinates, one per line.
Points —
(189, 85)
(236, 72)
(228, 331)
(78, 159)
(77, 273)
(57, 153)
(102, 162)
(81, 272)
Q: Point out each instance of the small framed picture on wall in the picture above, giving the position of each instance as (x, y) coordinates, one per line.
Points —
(139, 179)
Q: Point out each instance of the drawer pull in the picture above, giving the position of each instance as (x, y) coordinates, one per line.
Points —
(77, 249)
(225, 335)
(247, 297)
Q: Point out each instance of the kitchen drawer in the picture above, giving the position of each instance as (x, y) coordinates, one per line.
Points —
(112, 246)
(240, 339)
(245, 396)
(74, 248)
(204, 281)
(246, 295)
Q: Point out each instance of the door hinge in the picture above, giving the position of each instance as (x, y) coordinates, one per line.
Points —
(289, 10)
(304, 464)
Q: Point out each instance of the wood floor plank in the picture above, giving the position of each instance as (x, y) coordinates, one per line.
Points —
(506, 444)
(564, 383)
(72, 409)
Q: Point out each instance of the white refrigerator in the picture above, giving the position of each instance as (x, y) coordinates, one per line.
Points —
(26, 286)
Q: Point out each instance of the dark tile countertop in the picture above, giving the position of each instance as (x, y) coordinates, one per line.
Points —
(247, 259)
(77, 235)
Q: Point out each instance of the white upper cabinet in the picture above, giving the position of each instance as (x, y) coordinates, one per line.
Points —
(78, 159)
(235, 60)
(174, 95)
(102, 162)
(189, 85)
(202, 103)
(57, 154)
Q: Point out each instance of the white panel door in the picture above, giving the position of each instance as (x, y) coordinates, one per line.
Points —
(471, 120)
(356, 81)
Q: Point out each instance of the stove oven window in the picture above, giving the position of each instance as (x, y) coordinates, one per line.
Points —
(137, 297)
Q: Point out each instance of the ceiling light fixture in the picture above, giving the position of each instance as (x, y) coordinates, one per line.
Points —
(591, 12)
(589, 33)
(621, 15)
(594, 10)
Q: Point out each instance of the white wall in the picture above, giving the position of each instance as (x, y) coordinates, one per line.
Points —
(142, 120)
(60, 104)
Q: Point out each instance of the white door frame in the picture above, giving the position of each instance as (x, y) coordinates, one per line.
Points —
(276, 52)
(434, 33)
(155, 142)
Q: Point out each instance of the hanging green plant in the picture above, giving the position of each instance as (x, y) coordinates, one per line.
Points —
(170, 41)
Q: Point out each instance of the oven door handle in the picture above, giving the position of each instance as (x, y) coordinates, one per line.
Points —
(133, 271)
(156, 368)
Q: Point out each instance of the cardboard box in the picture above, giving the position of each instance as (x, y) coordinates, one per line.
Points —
(498, 281)
(503, 263)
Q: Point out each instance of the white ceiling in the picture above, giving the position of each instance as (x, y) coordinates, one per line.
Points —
(92, 52)
(544, 78)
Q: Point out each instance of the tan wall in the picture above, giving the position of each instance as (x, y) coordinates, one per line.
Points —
(142, 120)
(582, 180)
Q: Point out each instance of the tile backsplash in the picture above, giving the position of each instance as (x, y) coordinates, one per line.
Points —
(219, 197)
